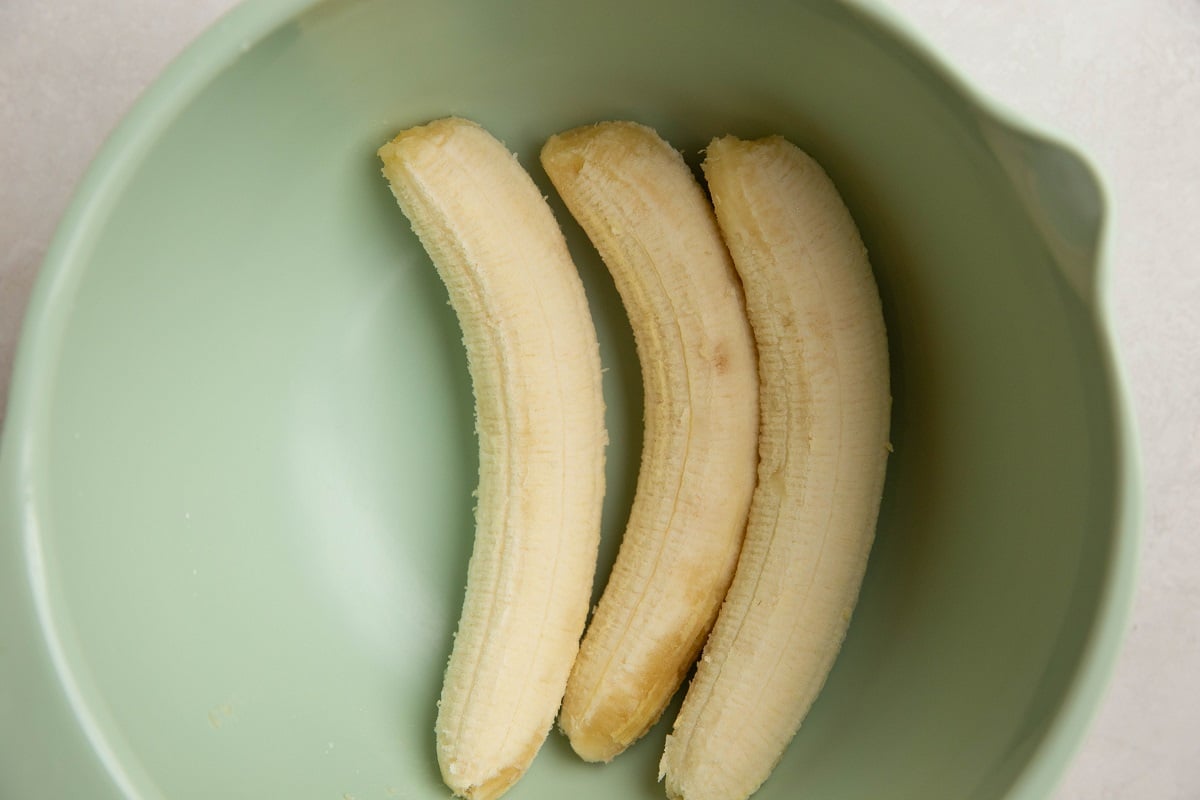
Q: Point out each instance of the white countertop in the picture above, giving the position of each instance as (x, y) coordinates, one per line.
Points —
(1119, 78)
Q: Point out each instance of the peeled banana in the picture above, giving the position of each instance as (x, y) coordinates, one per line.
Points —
(825, 405)
(654, 228)
(535, 369)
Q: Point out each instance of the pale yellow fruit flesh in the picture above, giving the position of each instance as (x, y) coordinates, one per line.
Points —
(535, 369)
(825, 410)
(653, 226)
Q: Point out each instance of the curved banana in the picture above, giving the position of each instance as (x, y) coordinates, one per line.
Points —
(823, 368)
(653, 226)
(535, 368)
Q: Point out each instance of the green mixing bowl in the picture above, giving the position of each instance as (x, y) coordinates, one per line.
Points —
(236, 475)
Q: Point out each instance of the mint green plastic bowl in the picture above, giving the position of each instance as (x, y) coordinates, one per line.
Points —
(236, 475)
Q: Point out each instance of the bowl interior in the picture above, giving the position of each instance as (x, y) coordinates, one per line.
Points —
(255, 457)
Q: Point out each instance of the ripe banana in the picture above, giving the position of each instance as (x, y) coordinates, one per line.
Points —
(823, 369)
(653, 226)
(535, 368)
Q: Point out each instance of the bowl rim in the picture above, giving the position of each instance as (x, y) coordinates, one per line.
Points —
(235, 32)
(1093, 671)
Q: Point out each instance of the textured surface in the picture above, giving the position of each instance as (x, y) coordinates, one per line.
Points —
(1122, 80)
(539, 414)
(649, 219)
